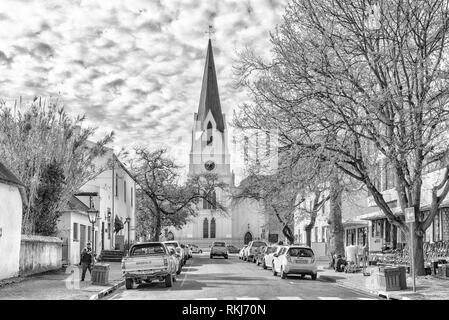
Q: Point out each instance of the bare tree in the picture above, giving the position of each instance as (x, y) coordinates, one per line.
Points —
(164, 197)
(355, 82)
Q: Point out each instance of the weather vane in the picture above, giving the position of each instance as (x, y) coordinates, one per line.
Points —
(210, 31)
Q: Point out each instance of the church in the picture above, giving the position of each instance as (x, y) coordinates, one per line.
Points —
(245, 220)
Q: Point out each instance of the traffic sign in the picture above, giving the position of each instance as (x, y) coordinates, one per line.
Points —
(409, 214)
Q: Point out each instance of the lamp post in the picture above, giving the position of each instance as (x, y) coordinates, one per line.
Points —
(93, 215)
(127, 220)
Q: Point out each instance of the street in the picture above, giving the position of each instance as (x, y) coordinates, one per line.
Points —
(203, 278)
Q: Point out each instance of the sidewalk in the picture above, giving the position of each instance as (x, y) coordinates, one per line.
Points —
(427, 287)
(60, 284)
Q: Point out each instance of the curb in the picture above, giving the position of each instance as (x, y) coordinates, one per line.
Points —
(107, 291)
(366, 291)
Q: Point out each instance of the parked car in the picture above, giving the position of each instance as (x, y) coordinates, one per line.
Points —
(189, 251)
(186, 251)
(253, 249)
(195, 249)
(218, 248)
(149, 261)
(242, 252)
(233, 249)
(295, 260)
(263, 251)
(268, 258)
(179, 250)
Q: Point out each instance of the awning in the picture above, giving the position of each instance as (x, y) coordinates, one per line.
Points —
(396, 211)
(355, 223)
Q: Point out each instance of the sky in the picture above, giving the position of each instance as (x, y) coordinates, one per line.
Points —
(133, 67)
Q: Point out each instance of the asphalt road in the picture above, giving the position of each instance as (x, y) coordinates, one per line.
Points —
(203, 278)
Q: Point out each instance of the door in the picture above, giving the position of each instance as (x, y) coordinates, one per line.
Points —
(82, 237)
(248, 238)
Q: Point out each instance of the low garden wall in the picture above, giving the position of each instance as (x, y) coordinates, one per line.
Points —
(39, 254)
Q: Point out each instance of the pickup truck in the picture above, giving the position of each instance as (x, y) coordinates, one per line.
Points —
(149, 261)
(218, 249)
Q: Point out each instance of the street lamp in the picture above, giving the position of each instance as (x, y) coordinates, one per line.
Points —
(127, 220)
(93, 215)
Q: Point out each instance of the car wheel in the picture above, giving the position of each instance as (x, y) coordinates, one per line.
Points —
(168, 281)
(264, 265)
(129, 283)
(211, 256)
(314, 276)
(226, 256)
(174, 278)
(283, 274)
(274, 271)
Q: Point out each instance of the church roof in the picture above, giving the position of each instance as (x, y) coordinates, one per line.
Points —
(209, 98)
(8, 177)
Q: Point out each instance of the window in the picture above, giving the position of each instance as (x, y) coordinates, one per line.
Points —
(211, 202)
(267, 145)
(116, 184)
(350, 237)
(75, 232)
(300, 252)
(124, 191)
(132, 196)
(148, 249)
(209, 133)
(245, 149)
(361, 236)
(205, 228)
(212, 228)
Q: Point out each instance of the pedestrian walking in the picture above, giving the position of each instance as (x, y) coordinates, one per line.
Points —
(86, 261)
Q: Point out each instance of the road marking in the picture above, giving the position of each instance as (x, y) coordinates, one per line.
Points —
(206, 299)
(247, 298)
(289, 298)
(330, 298)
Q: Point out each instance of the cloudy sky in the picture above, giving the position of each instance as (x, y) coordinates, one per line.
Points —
(131, 66)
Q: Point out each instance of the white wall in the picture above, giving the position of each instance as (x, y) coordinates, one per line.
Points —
(11, 226)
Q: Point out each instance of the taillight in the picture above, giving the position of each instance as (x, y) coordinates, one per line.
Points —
(165, 262)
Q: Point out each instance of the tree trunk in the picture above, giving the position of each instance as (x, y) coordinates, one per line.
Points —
(308, 230)
(158, 226)
(418, 241)
(336, 231)
(288, 234)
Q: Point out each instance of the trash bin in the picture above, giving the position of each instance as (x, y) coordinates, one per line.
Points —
(443, 270)
(100, 274)
(392, 278)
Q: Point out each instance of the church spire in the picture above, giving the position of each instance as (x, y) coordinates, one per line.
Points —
(209, 98)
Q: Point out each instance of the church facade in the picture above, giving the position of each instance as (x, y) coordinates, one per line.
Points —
(244, 220)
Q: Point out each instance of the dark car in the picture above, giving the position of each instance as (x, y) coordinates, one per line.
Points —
(233, 249)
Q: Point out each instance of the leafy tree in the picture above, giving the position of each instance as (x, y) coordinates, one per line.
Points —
(358, 83)
(50, 153)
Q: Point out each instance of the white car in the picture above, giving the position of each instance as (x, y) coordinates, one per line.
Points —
(178, 249)
(242, 252)
(267, 261)
(295, 259)
(252, 250)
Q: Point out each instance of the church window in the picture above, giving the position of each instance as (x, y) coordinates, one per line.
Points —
(212, 228)
(211, 201)
(205, 228)
(209, 133)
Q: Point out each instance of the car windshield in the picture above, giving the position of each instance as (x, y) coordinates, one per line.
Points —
(271, 249)
(300, 252)
(147, 249)
(219, 244)
(259, 244)
(173, 244)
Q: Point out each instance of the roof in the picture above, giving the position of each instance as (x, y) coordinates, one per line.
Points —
(76, 204)
(355, 223)
(209, 98)
(8, 177)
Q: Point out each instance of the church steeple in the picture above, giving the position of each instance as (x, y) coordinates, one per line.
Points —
(209, 98)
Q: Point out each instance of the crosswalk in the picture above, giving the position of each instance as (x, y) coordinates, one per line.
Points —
(288, 298)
